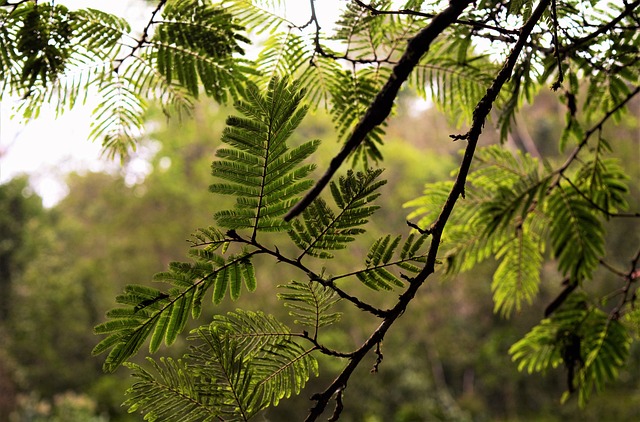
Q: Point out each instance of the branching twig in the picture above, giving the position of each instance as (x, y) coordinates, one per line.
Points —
(312, 275)
(596, 206)
(598, 126)
(409, 12)
(323, 349)
(143, 39)
(627, 295)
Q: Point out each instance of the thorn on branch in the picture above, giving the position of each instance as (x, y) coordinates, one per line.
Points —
(420, 230)
(463, 137)
(406, 277)
(379, 358)
(339, 406)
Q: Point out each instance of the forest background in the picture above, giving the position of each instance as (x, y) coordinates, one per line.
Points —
(112, 230)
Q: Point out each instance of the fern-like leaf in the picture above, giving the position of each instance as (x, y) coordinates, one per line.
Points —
(321, 230)
(606, 344)
(160, 316)
(352, 93)
(310, 303)
(260, 170)
(517, 278)
(195, 42)
(174, 394)
(264, 346)
(118, 117)
(604, 182)
(252, 15)
(456, 82)
(383, 257)
(576, 233)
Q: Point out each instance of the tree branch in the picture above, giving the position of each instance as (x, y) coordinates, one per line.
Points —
(480, 114)
(382, 104)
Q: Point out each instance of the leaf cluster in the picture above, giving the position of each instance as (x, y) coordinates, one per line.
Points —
(239, 364)
(515, 210)
(49, 54)
(592, 346)
(246, 361)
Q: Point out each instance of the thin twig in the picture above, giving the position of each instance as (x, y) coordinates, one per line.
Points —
(630, 278)
(409, 12)
(628, 10)
(312, 275)
(598, 126)
(143, 39)
(596, 206)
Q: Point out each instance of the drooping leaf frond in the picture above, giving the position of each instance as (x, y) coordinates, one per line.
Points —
(257, 16)
(591, 345)
(522, 87)
(604, 182)
(260, 169)
(43, 41)
(194, 44)
(455, 80)
(508, 186)
(576, 233)
(92, 43)
(285, 54)
(99, 32)
(321, 230)
(118, 117)
(517, 278)
(498, 218)
(504, 189)
(309, 303)
(53, 55)
(607, 344)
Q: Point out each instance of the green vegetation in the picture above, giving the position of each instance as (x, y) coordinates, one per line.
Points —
(455, 279)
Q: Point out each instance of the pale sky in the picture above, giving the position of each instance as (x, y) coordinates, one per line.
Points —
(48, 148)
